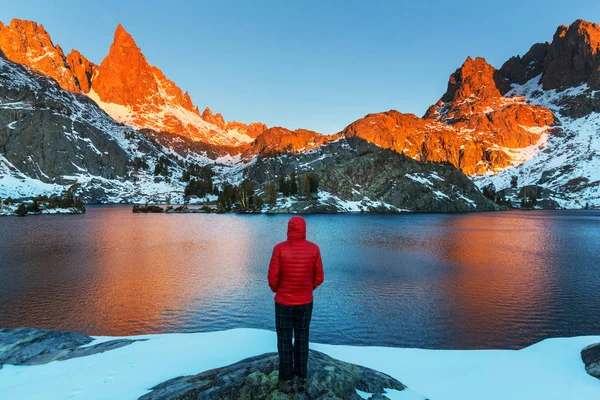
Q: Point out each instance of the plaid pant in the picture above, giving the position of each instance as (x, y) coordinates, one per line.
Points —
(292, 321)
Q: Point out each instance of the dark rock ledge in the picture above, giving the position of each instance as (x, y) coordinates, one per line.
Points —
(257, 378)
(591, 358)
(29, 346)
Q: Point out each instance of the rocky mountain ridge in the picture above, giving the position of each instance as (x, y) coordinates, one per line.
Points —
(536, 118)
(124, 85)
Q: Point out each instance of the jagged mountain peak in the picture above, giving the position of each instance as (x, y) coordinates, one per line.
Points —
(27, 42)
(122, 38)
(521, 69)
(475, 78)
(82, 69)
(28, 26)
(573, 57)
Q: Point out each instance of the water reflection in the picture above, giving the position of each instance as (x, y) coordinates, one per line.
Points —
(450, 281)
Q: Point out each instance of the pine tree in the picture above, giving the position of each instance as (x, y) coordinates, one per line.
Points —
(514, 181)
(286, 187)
(293, 184)
(272, 193)
(489, 191)
(314, 183)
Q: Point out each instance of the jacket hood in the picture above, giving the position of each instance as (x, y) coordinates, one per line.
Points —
(296, 228)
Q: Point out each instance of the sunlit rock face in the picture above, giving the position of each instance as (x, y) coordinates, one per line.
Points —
(473, 126)
(26, 42)
(277, 139)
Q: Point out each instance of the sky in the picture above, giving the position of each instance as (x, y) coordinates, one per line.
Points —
(317, 65)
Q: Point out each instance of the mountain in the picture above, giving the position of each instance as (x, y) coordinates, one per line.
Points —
(473, 126)
(567, 83)
(277, 140)
(51, 138)
(124, 85)
(535, 120)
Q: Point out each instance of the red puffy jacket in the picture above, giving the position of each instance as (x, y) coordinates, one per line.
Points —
(296, 268)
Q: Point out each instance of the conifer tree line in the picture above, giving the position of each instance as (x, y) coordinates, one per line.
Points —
(199, 180)
(67, 200)
(246, 198)
(293, 185)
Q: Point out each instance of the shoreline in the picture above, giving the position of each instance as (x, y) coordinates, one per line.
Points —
(550, 369)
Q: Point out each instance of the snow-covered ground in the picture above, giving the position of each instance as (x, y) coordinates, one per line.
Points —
(551, 369)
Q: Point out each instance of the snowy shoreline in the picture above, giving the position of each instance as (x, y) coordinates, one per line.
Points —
(551, 369)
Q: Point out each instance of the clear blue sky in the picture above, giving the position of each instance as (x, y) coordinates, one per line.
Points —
(313, 64)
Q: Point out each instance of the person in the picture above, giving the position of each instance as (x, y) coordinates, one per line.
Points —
(295, 271)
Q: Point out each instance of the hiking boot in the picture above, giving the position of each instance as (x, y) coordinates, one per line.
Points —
(301, 384)
(285, 387)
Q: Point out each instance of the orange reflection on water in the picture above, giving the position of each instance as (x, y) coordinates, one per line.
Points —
(503, 273)
(159, 267)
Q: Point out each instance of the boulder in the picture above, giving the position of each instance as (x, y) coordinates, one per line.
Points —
(257, 378)
(591, 358)
(30, 346)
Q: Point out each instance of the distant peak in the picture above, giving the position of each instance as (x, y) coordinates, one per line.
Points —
(207, 113)
(123, 38)
(23, 25)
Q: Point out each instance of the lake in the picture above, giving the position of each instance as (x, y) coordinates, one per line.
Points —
(455, 281)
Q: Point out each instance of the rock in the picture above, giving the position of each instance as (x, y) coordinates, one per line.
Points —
(521, 69)
(257, 378)
(82, 69)
(30, 346)
(217, 119)
(573, 57)
(591, 358)
(277, 140)
(26, 42)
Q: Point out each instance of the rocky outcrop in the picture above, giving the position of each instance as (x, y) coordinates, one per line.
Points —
(355, 175)
(521, 69)
(29, 346)
(251, 130)
(277, 139)
(82, 69)
(26, 42)
(591, 358)
(574, 57)
(257, 378)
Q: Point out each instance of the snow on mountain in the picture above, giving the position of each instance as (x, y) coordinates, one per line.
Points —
(52, 138)
(568, 159)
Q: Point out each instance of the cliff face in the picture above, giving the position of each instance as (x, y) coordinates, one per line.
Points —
(573, 57)
(28, 43)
